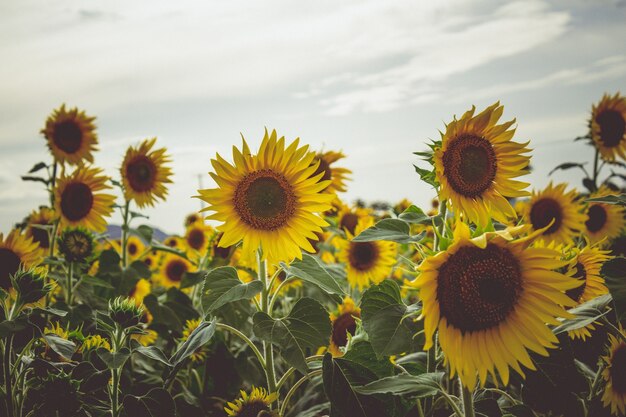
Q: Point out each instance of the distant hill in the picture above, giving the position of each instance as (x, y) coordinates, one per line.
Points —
(115, 232)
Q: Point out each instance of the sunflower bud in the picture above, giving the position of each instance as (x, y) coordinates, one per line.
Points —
(30, 285)
(77, 244)
(125, 312)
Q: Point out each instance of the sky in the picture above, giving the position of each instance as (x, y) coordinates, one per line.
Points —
(374, 79)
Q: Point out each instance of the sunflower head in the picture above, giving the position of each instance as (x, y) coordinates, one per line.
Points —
(253, 404)
(603, 221)
(193, 218)
(174, 242)
(134, 248)
(145, 173)
(270, 200)
(615, 375)
(337, 176)
(15, 250)
(608, 126)
(93, 342)
(77, 244)
(198, 236)
(38, 225)
(173, 269)
(71, 135)
(344, 322)
(78, 201)
(475, 165)
(142, 288)
(31, 285)
(125, 311)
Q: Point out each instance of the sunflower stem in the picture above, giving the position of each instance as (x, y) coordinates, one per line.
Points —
(468, 401)
(295, 387)
(595, 170)
(70, 277)
(267, 347)
(8, 389)
(125, 232)
(52, 239)
(596, 381)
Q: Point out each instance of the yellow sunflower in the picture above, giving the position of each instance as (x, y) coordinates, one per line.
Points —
(366, 262)
(336, 176)
(71, 135)
(174, 242)
(147, 338)
(78, 202)
(193, 218)
(254, 404)
(172, 269)
(140, 290)
(554, 203)
(608, 126)
(615, 375)
(134, 248)
(17, 249)
(343, 322)
(42, 217)
(348, 218)
(198, 236)
(93, 342)
(201, 353)
(490, 298)
(268, 200)
(145, 173)
(603, 221)
(476, 163)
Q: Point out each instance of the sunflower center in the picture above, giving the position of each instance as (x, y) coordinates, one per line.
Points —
(542, 213)
(40, 236)
(581, 275)
(363, 255)
(76, 201)
(349, 222)
(478, 288)
(196, 239)
(618, 369)
(252, 408)
(67, 136)
(132, 249)
(141, 173)
(78, 246)
(9, 264)
(219, 251)
(175, 271)
(612, 127)
(265, 200)
(344, 324)
(323, 167)
(469, 165)
(597, 218)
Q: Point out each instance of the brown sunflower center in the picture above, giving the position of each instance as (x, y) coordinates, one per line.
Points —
(597, 218)
(132, 249)
(265, 200)
(323, 167)
(219, 251)
(9, 264)
(363, 255)
(612, 127)
(171, 242)
(253, 408)
(196, 239)
(67, 136)
(76, 201)
(40, 236)
(349, 222)
(581, 275)
(344, 324)
(469, 165)
(77, 246)
(542, 213)
(618, 247)
(141, 173)
(478, 288)
(175, 270)
(618, 369)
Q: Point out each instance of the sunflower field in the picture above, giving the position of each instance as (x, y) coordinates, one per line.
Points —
(280, 299)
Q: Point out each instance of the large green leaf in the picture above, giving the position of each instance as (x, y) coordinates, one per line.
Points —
(306, 327)
(114, 360)
(387, 320)
(156, 403)
(222, 286)
(614, 272)
(418, 386)
(63, 347)
(586, 314)
(415, 215)
(200, 336)
(309, 269)
(610, 199)
(394, 230)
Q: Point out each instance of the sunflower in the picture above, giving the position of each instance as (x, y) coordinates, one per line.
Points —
(603, 221)
(343, 322)
(268, 200)
(476, 163)
(93, 342)
(42, 217)
(198, 236)
(608, 126)
(147, 338)
(71, 135)
(145, 173)
(491, 297)
(348, 218)
(336, 176)
(16, 250)
(193, 218)
(77, 244)
(200, 354)
(554, 203)
(615, 375)
(172, 270)
(142, 288)
(174, 242)
(78, 202)
(585, 266)
(366, 262)
(134, 248)
(252, 405)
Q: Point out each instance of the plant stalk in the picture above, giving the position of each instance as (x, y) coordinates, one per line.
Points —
(125, 233)
(267, 347)
(468, 401)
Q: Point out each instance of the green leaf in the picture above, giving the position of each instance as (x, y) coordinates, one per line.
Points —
(198, 338)
(309, 269)
(566, 165)
(394, 230)
(35, 179)
(428, 176)
(37, 167)
(222, 286)
(614, 273)
(306, 327)
(156, 403)
(415, 215)
(145, 232)
(419, 386)
(385, 319)
(192, 278)
(109, 262)
(9, 327)
(586, 314)
(162, 315)
(362, 353)
(62, 347)
(152, 352)
(610, 199)
(114, 360)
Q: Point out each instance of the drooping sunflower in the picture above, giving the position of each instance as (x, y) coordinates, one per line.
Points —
(476, 163)
(78, 202)
(490, 298)
(269, 200)
(15, 250)
(337, 176)
(615, 375)
(42, 217)
(554, 203)
(71, 135)
(145, 173)
(254, 404)
(172, 270)
(603, 221)
(608, 126)
(366, 262)
(343, 322)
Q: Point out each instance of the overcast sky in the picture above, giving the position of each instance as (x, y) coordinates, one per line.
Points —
(375, 79)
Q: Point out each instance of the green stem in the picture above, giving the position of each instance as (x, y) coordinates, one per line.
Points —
(420, 410)
(468, 401)
(595, 170)
(70, 277)
(596, 381)
(8, 389)
(125, 232)
(267, 347)
(275, 296)
(245, 339)
(52, 239)
(295, 387)
(115, 392)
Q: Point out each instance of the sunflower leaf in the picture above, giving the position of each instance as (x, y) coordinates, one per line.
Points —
(566, 165)
(222, 286)
(610, 199)
(114, 360)
(419, 386)
(394, 230)
(614, 273)
(198, 338)
(157, 402)
(309, 269)
(586, 314)
(415, 215)
(37, 167)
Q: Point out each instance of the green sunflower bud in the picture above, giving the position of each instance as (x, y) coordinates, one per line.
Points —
(125, 311)
(77, 244)
(30, 285)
